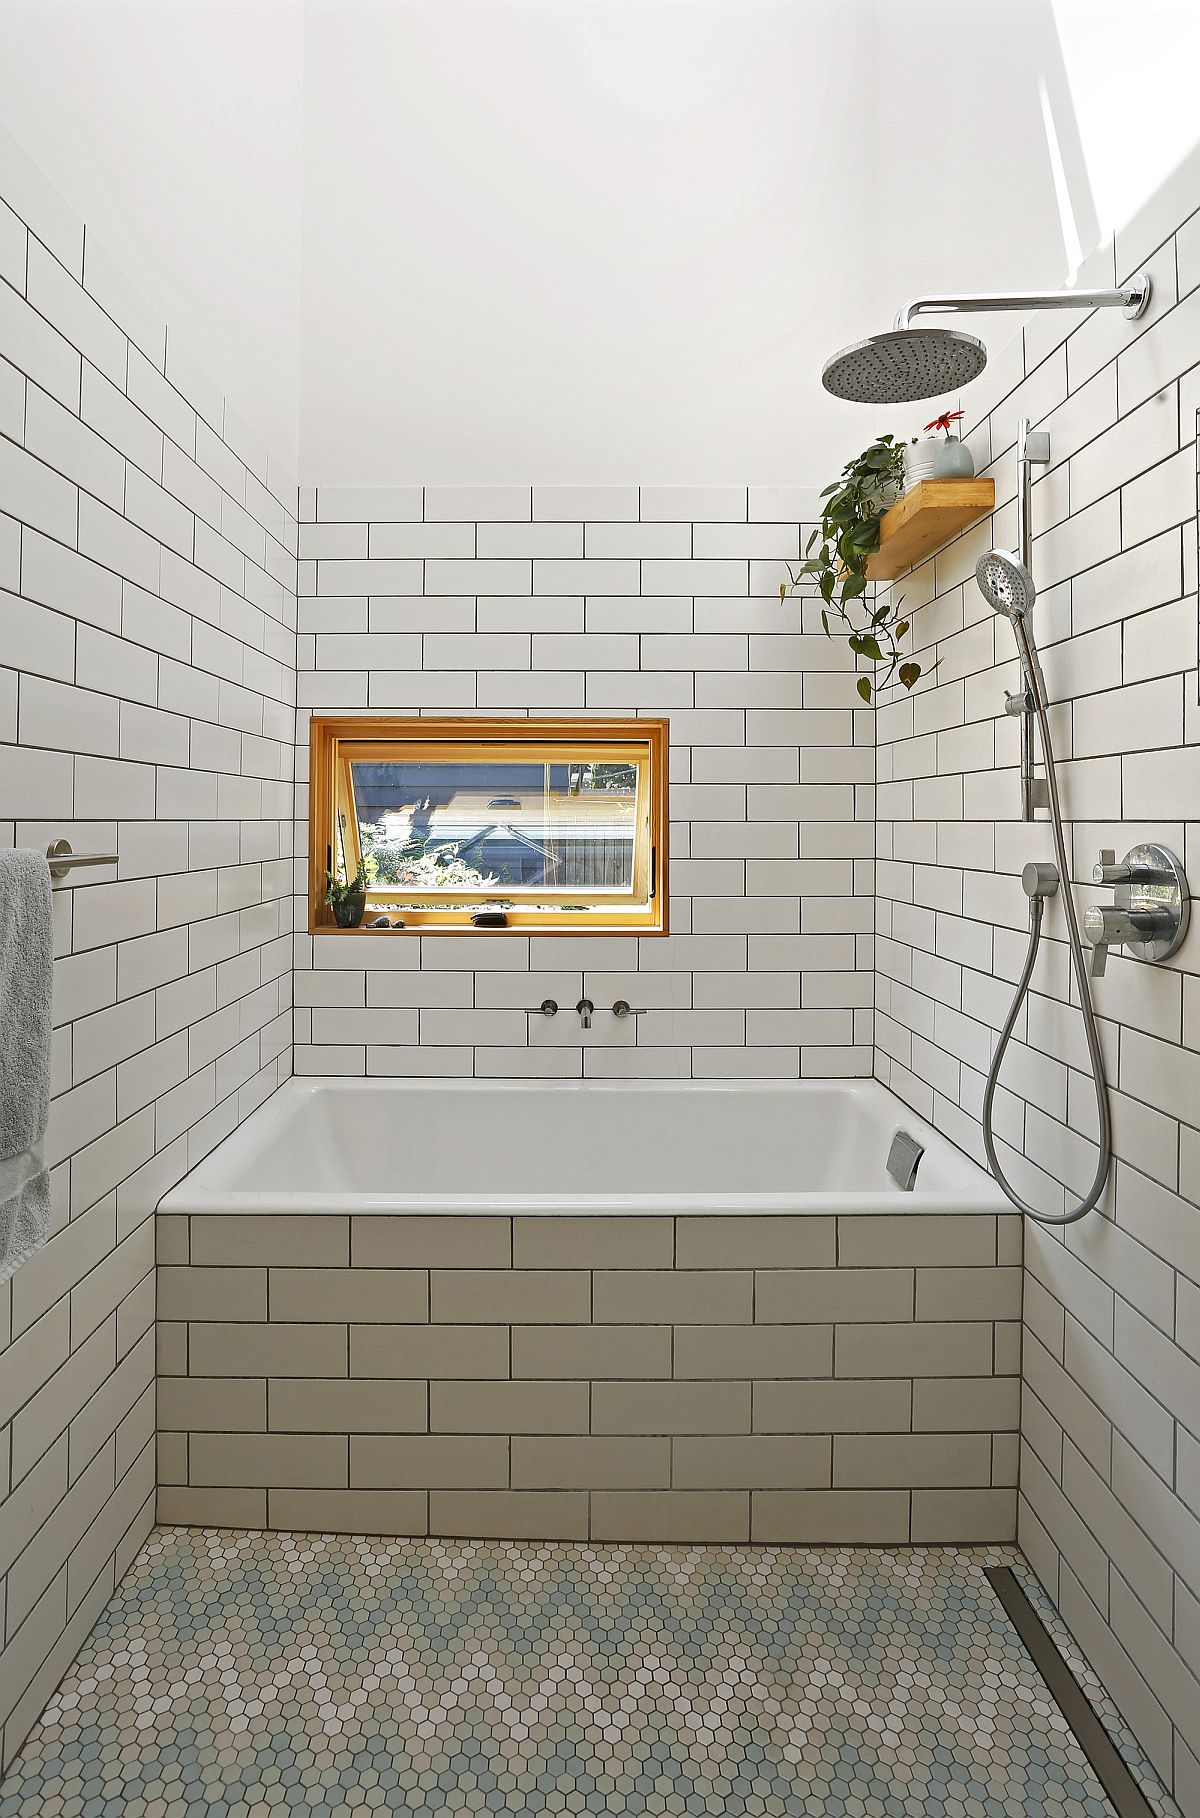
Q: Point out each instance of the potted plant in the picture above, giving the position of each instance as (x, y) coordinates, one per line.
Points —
(848, 535)
(952, 458)
(348, 901)
(920, 458)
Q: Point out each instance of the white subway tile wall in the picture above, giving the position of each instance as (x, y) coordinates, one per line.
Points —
(147, 689)
(1110, 1484)
(605, 600)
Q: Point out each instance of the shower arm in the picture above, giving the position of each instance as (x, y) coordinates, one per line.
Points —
(1130, 298)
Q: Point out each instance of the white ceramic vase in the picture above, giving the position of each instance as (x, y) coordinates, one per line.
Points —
(953, 460)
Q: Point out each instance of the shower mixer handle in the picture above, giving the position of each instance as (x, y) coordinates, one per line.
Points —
(1106, 926)
(1149, 916)
(1109, 872)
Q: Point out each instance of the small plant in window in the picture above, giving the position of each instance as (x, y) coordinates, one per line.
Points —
(347, 899)
(845, 539)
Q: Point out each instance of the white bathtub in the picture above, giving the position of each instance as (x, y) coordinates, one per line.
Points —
(415, 1354)
(476, 1146)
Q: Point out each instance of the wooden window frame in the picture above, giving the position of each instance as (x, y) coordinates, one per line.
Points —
(338, 740)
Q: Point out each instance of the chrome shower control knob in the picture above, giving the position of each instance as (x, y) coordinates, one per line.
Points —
(1106, 926)
(1109, 872)
(1149, 913)
(1121, 874)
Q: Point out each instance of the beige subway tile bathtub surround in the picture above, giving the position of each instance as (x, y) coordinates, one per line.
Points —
(686, 1400)
(1109, 1507)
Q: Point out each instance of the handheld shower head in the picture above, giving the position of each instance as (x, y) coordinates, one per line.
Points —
(904, 364)
(1005, 583)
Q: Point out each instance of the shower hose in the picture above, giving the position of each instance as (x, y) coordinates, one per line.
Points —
(1036, 911)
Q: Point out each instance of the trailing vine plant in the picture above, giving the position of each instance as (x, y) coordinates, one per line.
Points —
(848, 535)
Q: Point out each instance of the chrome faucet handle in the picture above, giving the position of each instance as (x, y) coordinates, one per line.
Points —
(547, 1007)
(622, 1008)
(584, 1008)
(1109, 872)
(1106, 926)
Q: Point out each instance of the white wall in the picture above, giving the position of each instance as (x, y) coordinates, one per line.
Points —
(594, 242)
(1133, 93)
(579, 242)
(1017, 136)
(173, 128)
(615, 240)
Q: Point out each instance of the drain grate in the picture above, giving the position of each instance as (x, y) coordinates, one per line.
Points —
(1125, 1795)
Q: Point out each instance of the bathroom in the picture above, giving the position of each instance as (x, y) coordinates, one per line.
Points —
(599, 1185)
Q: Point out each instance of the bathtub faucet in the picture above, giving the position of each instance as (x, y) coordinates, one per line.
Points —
(585, 1006)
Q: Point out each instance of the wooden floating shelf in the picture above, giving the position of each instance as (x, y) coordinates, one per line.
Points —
(924, 520)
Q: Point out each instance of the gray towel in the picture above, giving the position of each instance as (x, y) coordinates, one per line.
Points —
(26, 985)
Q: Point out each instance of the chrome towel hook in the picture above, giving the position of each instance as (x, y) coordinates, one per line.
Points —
(62, 860)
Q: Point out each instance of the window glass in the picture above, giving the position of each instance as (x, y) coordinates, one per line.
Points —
(497, 825)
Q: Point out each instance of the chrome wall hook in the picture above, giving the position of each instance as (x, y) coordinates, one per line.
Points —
(62, 861)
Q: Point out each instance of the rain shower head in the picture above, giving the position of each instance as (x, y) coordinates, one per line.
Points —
(1005, 583)
(904, 364)
(909, 362)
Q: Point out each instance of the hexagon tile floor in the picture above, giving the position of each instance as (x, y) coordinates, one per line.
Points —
(241, 1673)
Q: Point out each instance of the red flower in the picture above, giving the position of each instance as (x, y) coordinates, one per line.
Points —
(944, 421)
